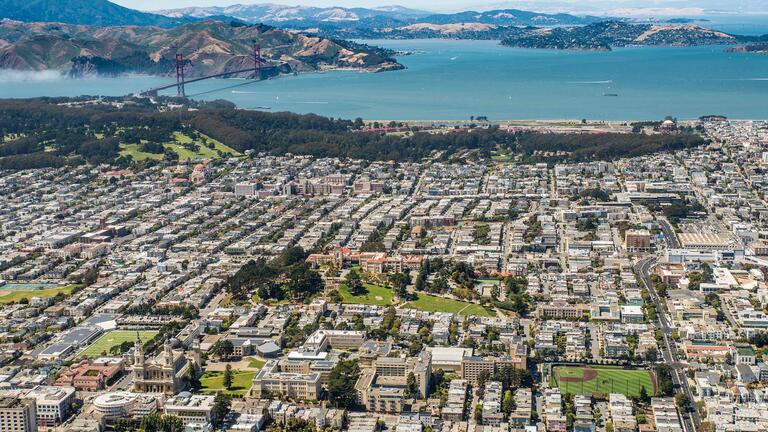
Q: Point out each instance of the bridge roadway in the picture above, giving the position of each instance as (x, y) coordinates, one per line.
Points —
(153, 91)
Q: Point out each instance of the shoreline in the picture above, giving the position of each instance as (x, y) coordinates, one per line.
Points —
(549, 122)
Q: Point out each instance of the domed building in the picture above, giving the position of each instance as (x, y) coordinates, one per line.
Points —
(166, 373)
(123, 404)
(668, 125)
(114, 405)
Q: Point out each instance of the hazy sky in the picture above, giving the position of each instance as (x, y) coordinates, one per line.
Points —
(625, 7)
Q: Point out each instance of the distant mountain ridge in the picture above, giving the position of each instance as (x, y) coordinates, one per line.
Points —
(269, 13)
(511, 17)
(309, 16)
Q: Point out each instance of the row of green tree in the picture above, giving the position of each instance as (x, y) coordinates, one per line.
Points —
(42, 133)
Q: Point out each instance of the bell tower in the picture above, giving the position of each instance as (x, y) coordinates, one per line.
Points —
(138, 351)
(168, 351)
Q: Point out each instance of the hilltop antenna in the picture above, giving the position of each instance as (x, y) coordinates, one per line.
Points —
(180, 75)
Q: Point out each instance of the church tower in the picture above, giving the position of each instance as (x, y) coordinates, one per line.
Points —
(138, 351)
(168, 351)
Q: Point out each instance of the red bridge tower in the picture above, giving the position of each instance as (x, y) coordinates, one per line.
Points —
(180, 75)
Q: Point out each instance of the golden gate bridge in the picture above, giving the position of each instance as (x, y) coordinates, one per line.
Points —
(181, 80)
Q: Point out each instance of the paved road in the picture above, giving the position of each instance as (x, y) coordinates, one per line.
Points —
(691, 421)
(669, 234)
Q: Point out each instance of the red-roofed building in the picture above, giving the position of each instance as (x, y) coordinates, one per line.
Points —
(89, 375)
(373, 262)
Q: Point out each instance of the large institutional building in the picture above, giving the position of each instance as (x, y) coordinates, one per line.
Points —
(166, 373)
(385, 388)
(273, 379)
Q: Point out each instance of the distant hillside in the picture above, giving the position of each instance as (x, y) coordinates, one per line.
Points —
(756, 47)
(88, 12)
(604, 35)
(596, 36)
(470, 31)
(208, 47)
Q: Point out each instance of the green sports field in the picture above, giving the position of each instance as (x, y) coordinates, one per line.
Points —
(430, 303)
(114, 338)
(15, 295)
(601, 380)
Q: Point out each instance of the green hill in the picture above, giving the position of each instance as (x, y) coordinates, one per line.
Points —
(88, 12)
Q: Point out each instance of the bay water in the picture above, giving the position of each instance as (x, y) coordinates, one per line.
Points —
(454, 79)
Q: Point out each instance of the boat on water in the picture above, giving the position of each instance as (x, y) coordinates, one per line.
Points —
(610, 94)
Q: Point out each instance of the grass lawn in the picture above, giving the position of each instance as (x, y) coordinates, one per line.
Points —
(430, 303)
(376, 295)
(597, 380)
(256, 363)
(114, 338)
(14, 296)
(213, 382)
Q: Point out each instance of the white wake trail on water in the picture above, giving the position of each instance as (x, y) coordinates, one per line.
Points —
(591, 82)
